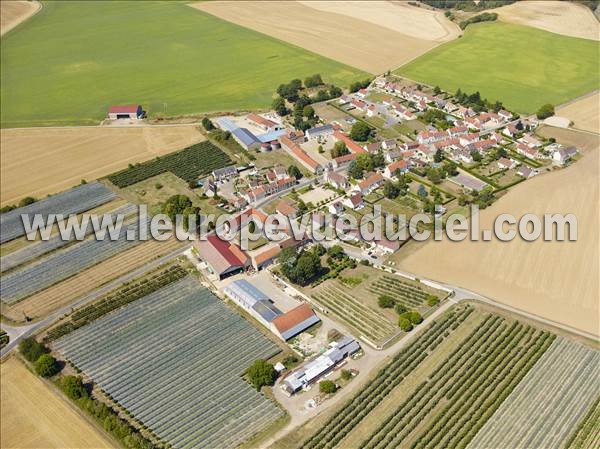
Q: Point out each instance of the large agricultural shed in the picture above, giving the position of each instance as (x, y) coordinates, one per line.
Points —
(175, 360)
(260, 306)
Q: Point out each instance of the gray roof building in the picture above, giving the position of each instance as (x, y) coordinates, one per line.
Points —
(245, 138)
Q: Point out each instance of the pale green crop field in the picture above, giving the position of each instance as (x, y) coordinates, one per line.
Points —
(521, 66)
(72, 60)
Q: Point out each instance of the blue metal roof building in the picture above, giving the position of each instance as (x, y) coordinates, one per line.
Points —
(245, 138)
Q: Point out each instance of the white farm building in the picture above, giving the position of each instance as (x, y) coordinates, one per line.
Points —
(313, 370)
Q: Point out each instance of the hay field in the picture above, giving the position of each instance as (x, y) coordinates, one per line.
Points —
(584, 113)
(373, 37)
(556, 280)
(521, 66)
(37, 162)
(14, 12)
(176, 58)
(33, 416)
(567, 18)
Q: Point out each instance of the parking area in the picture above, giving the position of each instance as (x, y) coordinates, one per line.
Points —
(316, 195)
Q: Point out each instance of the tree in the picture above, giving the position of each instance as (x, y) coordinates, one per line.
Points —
(378, 160)
(320, 149)
(327, 387)
(289, 361)
(422, 191)
(207, 124)
(313, 81)
(308, 111)
(354, 170)
(31, 349)
(294, 171)
(438, 156)
(339, 149)
(279, 106)
(46, 366)
(175, 205)
(335, 91)
(319, 250)
(336, 252)
(252, 226)
(73, 387)
(364, 161)
(545, 111)
(476, 155)
(190, 214)
(434, 175)
(346, 374)
(433, 115)
(405, 324)
(390, 190)
(360, 131)
(437, 90)
(261, 373)
(385, 302)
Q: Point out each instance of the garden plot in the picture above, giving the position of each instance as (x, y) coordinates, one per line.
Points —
(42, 247)
(74, 201)
(405, 292)
(546, 406)
(174, 359)
(63, 264)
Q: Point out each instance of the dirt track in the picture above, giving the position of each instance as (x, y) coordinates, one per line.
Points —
(34, 416)
(40, 161)
(556, 280)
(374, 37)
(561, 17)
(12, 13)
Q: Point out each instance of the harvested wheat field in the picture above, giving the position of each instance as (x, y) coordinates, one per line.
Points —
(584, 113)
(372, 36)
(559, 17)
(14, 12)
(34, 416)
(47, 301)
(37, 162)
(555, 280)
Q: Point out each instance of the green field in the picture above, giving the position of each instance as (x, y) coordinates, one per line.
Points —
(69, 62)
(521, 66)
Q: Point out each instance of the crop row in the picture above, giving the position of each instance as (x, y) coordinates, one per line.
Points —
(474, 373)
(73, 201)
(545, 407)
(63, 264)
(355, 410)
(174, 359)
(353, 311)
(587, 434)
(116, 300)
(188, 164)
(413, 410)
(43, 247)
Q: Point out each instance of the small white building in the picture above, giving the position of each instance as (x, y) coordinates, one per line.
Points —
(128, 111)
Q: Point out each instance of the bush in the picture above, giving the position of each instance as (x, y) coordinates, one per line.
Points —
(261, 373)
(346, 375)
(327, 387)
(413, 317)
(46, 366)
(73, 387)
(400, 309)
(405, 324)
(31, 349)
(385, 302)
(207, 124)
(289, 361)
(432, 300)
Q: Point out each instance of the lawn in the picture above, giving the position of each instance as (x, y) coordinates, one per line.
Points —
(521, 66)
(72, 60)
